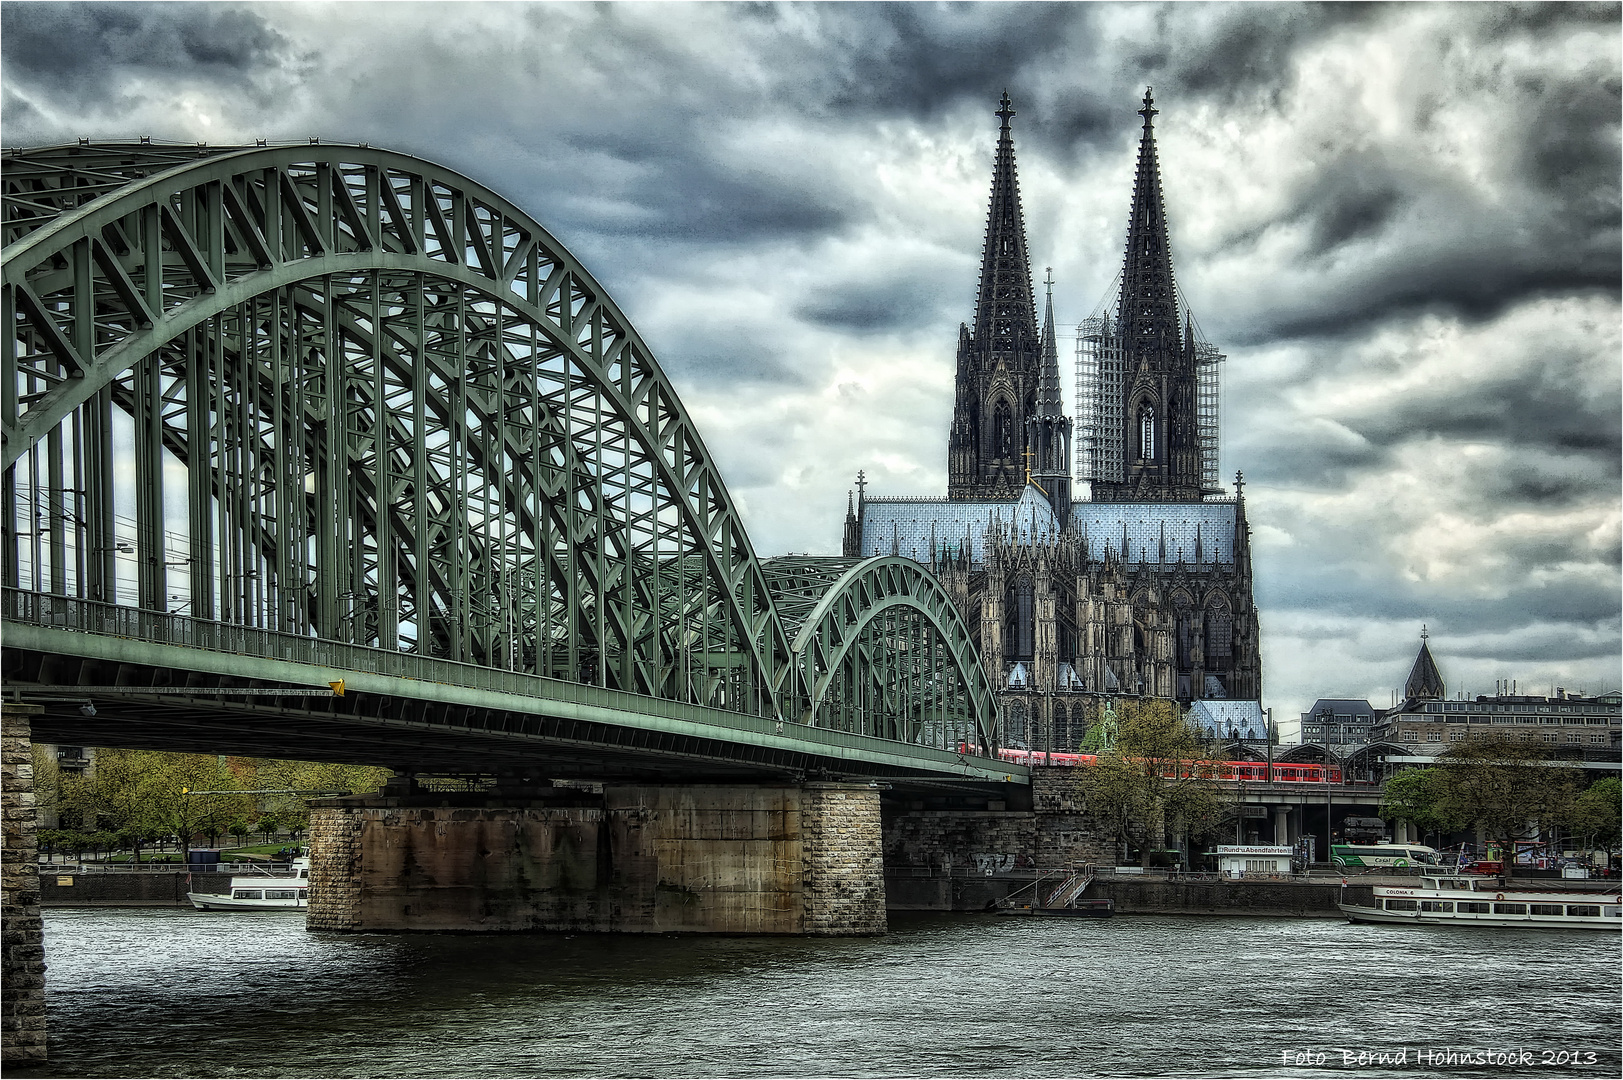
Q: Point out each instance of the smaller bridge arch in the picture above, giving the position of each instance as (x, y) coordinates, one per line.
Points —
(882, 651)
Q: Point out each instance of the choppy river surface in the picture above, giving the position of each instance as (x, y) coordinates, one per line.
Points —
(166, 992)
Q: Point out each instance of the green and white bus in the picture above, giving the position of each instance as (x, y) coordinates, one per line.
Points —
(1379, 855)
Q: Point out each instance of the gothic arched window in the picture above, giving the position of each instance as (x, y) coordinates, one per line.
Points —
(1019, 622)
(1219, 633)
(1002, 431)
(1146, 432)
(1185, 635)
(1014, 718)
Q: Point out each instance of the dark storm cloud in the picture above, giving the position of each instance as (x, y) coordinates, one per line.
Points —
(1529, 408)
(676, 191)
(864, 307)
(1249, 48)
(1572, 142)
(708, 353)
(1547, 226)
(1356, 200)
(1568, 439)
(1501, 21)
(1534, 644)
(922, 61)
(1461, 277)
(1305, 460)
(1330, 587)
(81, 51)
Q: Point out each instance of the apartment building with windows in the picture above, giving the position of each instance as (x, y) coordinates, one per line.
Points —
(1429, 721)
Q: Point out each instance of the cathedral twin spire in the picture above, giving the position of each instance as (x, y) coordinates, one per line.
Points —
(1159, 437)
(1005, 314)
(1000, 359)
(1148, 311)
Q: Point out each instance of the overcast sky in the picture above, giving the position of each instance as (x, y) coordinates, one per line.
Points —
(1401, 223)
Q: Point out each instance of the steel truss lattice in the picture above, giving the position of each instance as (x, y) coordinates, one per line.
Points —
(346, 394)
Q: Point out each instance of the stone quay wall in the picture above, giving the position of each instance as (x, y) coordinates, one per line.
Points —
(118, 888)
(1066, 834)
(22, 932)
(742, 859)
(956, 860)
(1155, 896)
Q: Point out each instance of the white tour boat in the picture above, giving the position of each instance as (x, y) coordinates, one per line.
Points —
(1466, 901)
(261, 892)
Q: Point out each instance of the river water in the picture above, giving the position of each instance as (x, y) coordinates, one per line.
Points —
(166, 992)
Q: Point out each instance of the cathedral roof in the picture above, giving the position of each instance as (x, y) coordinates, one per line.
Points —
(909, 526)
(1194, 532)
(1146, 530)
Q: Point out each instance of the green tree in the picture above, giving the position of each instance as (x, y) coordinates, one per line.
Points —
(113, 795)
(47, 783)
(142, 794)
(1503, 786)
(292, 811)
(1159, 774)
(1412, 795)
(1597, 815)
(267, 827)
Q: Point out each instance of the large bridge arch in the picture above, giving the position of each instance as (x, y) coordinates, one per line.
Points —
(369, 400)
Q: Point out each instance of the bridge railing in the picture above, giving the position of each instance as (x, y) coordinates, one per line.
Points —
(164, 628)
(80, 615)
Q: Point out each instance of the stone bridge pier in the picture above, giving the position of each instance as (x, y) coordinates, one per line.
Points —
(708, 858)
(22, 982)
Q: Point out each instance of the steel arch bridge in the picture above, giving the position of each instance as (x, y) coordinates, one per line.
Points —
(279, 413)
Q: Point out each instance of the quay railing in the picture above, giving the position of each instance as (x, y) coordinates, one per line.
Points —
(242, 868)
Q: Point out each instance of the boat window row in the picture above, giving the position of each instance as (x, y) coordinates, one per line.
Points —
(1472, 907)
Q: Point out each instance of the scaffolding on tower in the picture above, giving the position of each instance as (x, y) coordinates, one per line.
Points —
(1100, 370)
(1208, 401)
(1100, 378)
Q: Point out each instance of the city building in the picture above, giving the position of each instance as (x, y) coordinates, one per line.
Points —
(1137, 584)
(1339, 722)
(1428, 721)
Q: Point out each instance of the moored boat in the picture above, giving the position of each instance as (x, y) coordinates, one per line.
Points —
(261, 892)
(1462, 901)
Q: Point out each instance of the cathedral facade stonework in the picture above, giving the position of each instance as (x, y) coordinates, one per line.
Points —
(1136, 585)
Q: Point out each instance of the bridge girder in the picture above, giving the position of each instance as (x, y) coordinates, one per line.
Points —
(351, 395)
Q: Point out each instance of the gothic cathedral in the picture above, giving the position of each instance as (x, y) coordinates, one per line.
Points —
(1140, 584)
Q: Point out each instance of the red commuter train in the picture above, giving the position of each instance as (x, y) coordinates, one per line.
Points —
(1257, 771)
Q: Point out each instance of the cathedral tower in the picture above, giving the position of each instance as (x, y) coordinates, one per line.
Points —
(1158, 437)
(1000, 359)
